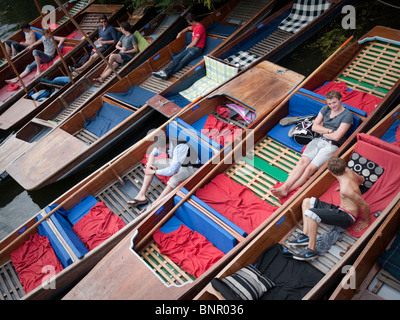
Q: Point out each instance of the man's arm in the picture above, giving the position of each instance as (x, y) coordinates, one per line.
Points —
(361, 203)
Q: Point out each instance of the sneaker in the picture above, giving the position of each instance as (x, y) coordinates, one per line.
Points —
(71, 68)
(160, 74)
(306, 254)
(301, 240)
(75, 74)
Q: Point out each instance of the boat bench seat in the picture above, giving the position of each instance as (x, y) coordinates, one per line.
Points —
(215, 213)
(63, 220)
(195, 220)
(216, 74)
(205, 148)
(301, 105)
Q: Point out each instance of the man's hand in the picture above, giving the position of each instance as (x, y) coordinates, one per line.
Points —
(361, 225)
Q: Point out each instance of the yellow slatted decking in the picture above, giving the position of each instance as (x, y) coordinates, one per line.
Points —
(375, 70)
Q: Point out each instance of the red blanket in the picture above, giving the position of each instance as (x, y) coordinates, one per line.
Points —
(189, 249)
(97, 226)
(35, 261)
(357, 99)
(384, 189)
(235, 202)
(220, 131)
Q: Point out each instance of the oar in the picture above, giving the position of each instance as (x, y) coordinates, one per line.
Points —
(232, 152)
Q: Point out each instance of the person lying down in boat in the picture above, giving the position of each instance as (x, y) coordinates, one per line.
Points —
(44, 56)
(127, 46)
(179, 166)
(332, 123)
(316, 211)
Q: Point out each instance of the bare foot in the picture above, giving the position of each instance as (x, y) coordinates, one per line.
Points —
(98, 80)
(279, 192)
(136, 202)
(11, 80)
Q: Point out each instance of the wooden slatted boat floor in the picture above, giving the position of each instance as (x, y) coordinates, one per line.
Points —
(383, 286)
(325, 262)
(74, 10)
(244, 11)
(375, 70)
(270, 43)
(115, 197)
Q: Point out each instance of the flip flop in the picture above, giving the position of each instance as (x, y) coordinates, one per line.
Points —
(137, 202)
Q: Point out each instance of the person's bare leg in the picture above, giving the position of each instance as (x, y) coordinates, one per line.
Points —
(308, 172)
(38, 70)
(141, 196)
(14, 80)
(310, 226)
(87, 63)
(295, 175)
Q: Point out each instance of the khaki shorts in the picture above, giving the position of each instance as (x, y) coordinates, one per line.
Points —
(319, 151)
(182, 174)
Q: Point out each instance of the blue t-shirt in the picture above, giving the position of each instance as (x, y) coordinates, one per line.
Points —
(107, 34)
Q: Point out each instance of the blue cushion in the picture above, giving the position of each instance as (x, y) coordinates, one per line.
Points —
(65, 228)
(199, 124)
(106, 118)
(61, 253)
(198, 133)
(135, 96)
(220, 29)
(215, 213)
(79, 210)
(390, 134)
(197, 221)
(204, 152)
(171, 225)
(211, 44)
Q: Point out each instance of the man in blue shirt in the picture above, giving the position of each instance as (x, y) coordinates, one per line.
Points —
(179, 166)
(107, 37)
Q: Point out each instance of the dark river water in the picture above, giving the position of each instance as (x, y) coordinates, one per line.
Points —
(17, 204)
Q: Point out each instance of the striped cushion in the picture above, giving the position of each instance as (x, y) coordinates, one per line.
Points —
(246, 284)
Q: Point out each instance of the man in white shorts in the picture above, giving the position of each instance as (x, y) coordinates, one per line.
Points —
(332, 123)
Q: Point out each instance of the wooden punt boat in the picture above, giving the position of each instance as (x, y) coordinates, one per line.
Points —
(137, 267)
(339, 256)
(26, 107)
(84, 86)
(371, 274)
(73, 7)
(88, 20)
(120, 180)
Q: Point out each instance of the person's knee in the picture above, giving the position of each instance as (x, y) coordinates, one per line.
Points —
(35, 52)
(310, 169)
(306, 203)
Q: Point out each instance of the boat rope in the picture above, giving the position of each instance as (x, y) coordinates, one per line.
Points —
(388, 4)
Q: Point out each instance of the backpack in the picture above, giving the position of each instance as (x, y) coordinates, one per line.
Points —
(301, 132)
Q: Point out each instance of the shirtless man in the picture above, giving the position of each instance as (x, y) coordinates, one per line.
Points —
(13, 47)
(316, 211)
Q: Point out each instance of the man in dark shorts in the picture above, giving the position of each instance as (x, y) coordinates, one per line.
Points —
(14, 47)
(127, 46)
(316, 211)
(107, 37)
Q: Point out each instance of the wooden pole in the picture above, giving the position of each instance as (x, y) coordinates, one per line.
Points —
(12, 66)
(88, 39)
(232, 152)
(56, 46)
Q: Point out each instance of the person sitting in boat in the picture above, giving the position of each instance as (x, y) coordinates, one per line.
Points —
(44, 56)
(14, 47)
(316, 211)
(127, 46)
(107, 37)
(332, 123)
(179, 166)
(192, 51)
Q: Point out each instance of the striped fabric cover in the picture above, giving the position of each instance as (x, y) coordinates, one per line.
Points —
(246, 284)
(303, 12)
